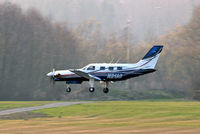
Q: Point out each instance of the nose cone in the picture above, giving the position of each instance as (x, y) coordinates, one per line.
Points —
(50, 74)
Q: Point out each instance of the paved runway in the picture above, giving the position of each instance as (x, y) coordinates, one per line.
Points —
(25, 109)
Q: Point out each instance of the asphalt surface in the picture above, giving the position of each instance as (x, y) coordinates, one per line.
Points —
(25, 109)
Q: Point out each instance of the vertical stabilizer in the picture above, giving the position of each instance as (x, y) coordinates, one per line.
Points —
(150, 59)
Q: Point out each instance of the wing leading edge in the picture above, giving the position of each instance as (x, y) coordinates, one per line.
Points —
(84, 74)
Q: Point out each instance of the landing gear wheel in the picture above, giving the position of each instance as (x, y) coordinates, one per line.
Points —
(68, 89)
(91, 89)
(105, 90)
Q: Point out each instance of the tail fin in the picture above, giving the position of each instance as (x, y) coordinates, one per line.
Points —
(150, 59)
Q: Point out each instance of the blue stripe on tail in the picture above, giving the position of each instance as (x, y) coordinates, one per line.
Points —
(153, 51)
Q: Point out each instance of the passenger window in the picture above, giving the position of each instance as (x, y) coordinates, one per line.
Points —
(111, 68)
(119, 68)
(91, 68)
(102, 68)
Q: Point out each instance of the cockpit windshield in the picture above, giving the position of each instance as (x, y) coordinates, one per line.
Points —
(84, 68)
(91, 68)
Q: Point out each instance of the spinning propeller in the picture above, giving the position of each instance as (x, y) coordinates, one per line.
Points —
(53, 75)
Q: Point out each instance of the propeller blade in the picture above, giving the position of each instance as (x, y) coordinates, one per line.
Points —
(52, 77)
(54, 83)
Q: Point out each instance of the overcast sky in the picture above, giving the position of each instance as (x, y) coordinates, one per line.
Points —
(144, 16)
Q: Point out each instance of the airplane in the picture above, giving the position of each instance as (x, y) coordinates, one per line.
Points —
(108, 72)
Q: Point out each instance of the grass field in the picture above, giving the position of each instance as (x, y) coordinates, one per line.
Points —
(15, 104)
(156, 117)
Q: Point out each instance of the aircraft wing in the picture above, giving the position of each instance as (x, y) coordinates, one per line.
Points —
(85, 75)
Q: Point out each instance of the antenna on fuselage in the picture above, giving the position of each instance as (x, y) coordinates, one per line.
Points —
(117, 60)
(112, 60)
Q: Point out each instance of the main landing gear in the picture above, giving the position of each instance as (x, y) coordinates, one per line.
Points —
(91, 82)
(105, 89)
(68, 89)
(92, 89)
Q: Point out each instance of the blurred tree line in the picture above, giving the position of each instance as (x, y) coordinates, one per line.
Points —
(31, 45)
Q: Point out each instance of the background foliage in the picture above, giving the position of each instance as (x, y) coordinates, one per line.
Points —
(31, 45)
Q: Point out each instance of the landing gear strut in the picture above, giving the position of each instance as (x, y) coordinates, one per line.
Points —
(91, 82)
(68, 89)
(105, 89)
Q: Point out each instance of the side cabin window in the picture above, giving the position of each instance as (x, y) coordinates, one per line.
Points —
(119, 68)
(91, 68)
(102, 68)
(110, 68)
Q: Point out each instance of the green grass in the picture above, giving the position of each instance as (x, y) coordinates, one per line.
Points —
(129, 109)
(150, 114)
(15, 104)
(109, 117)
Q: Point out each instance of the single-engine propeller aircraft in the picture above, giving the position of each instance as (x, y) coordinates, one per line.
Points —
(108, 72)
